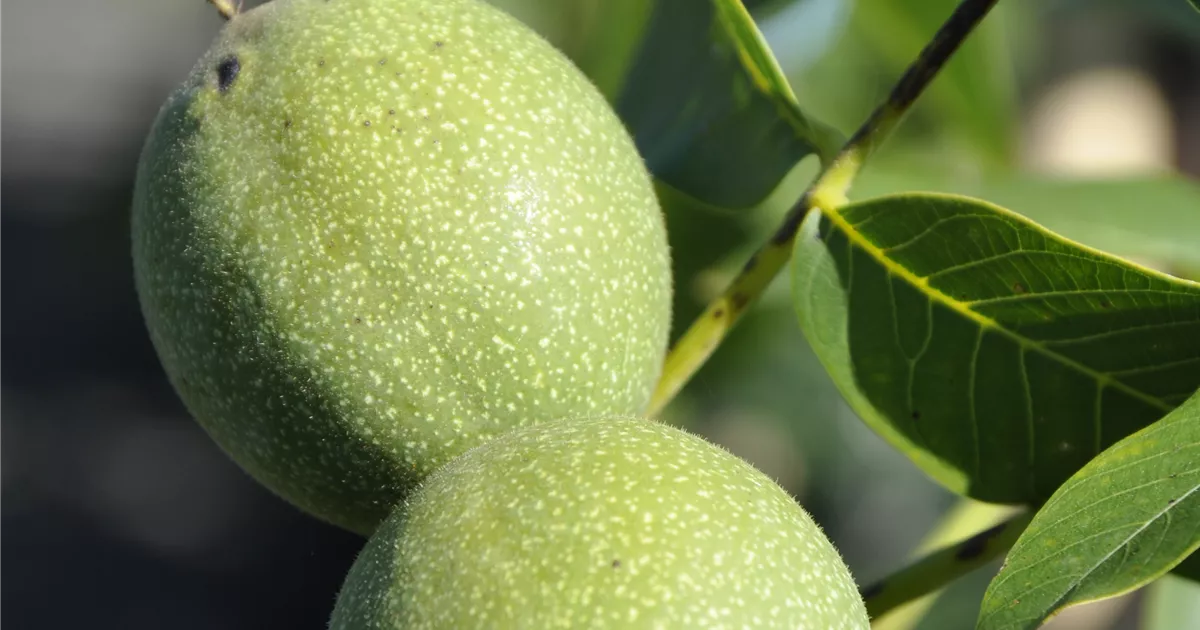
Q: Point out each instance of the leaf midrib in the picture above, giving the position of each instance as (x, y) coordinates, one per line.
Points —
(858, 240)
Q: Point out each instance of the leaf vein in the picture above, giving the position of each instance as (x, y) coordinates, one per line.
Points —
(1024, 297)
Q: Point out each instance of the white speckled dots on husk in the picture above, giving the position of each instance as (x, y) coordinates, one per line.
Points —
(599, 523)
(372, 234)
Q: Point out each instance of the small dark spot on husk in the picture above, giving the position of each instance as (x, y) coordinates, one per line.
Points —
(227, 73)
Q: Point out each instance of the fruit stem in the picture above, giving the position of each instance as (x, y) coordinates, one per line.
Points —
(941, 567)
(965, 518)
(827, 191)
(227, 8)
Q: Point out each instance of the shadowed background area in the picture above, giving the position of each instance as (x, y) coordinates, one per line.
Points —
(119, 512)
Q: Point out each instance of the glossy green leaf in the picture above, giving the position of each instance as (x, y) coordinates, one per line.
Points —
(998, 356)
(1123, 520)
(710, 110)
(800, 32)
(1155, 219)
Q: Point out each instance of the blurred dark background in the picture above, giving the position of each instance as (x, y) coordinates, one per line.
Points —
(118, 512)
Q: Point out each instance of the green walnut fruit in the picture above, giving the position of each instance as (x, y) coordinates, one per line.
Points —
(371, 234)
(599, 523)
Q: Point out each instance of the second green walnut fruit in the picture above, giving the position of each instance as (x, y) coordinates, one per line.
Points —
(599, 523)
(371, 234)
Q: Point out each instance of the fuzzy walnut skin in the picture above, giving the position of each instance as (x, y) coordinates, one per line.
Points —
(599, 523)
(371, 234)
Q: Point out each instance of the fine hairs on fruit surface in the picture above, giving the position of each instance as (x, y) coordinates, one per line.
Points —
(369, 235)
(599, 523)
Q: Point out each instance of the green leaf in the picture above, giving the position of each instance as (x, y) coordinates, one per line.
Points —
(800, 32)
(709, 108)
(1152, 219)
(997, 356)
(1123, 520)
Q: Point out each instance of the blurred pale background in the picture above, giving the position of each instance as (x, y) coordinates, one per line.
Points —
(118, 512)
